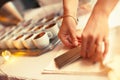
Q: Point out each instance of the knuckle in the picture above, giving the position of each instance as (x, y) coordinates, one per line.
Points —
(91, 36)
(84, 36)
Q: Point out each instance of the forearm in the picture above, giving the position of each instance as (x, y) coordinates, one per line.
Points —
(105, 6)
(70, 7)
(10, 7)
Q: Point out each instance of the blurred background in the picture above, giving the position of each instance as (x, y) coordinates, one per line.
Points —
(22, 7)
(32, 9)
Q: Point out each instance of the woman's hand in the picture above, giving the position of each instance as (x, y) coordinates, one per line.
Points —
(68, 34)
(94, 35)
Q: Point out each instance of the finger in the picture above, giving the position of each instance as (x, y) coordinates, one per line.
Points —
(79, 41)
(98, 54)
(106, 46)
(78, 33)
(92, 52)
(91, 47)
(70, 40)
(65, 40)
(99, 48)
(98, 51)
(79, 37)
(92, 58)
(83, 46)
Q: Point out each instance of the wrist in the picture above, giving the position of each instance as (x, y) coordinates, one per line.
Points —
(72, 17)
(98, 11)
(69, 12)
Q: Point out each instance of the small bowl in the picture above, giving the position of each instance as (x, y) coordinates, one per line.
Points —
(9, 43)
(27, 41)
(41, 40)
(3, 41)
(17, 41)
(53, 28)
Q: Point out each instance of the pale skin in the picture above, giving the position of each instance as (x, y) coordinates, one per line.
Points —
(95, 33)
